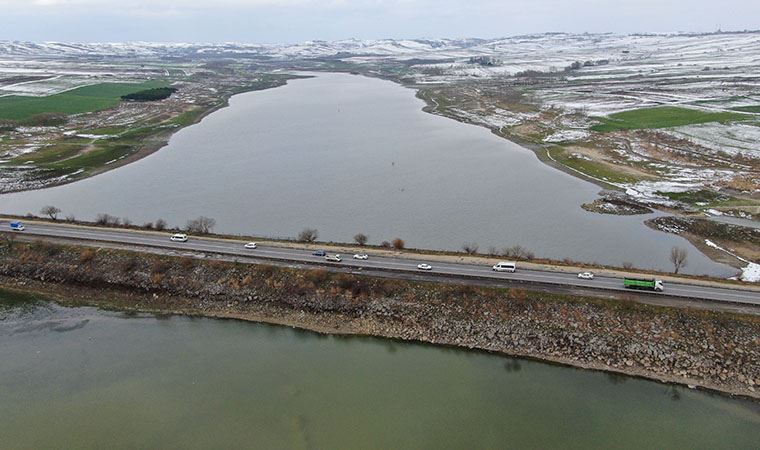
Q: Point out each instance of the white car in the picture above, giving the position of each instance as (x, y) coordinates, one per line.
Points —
(332, 258)
(424, 266)
(586, 275)
(250, 245)
(179, 237)
(361, 256)
(504, 266)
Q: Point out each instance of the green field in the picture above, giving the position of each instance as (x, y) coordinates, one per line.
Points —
(662, 117)
(72, 154)
(750, 109)
(76, 101)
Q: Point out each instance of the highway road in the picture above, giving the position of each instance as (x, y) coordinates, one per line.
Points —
(136, 239)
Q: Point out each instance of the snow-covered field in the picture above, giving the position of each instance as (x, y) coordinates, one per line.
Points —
(589, 75)
(734, 139)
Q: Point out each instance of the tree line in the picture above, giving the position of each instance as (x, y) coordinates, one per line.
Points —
(205, 225)
(150, 95)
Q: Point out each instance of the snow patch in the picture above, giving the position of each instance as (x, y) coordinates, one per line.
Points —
(567, 135)
(750, 273)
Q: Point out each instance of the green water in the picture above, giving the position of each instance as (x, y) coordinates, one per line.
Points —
(84, 378)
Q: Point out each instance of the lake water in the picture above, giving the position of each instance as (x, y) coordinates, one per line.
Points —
(83, 378)
(348, 154)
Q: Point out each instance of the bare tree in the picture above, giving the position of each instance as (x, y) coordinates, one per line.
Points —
(385, 244)
(470, 248)
(71, 218)
(517, 252)
(361, 238)
(126, 221)
(628, 265)
(398, 244)
(51, 211)
(678, 258)
(201, 225)
(107, 219)
(160, 225)
(308, 235)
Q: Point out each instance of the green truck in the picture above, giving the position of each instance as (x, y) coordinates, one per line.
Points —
(645, 284)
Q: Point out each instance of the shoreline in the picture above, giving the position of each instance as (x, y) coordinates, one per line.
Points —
(335, 326)
(710, 350)
(540, 150)
(150, 144)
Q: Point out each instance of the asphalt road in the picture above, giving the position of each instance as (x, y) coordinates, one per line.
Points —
(136, 239)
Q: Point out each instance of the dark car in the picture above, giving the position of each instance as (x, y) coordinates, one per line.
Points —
(320, 253)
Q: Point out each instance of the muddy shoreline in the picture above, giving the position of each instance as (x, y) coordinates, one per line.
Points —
(714, 351)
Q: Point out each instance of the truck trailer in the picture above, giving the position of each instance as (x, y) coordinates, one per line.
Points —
(644, 284)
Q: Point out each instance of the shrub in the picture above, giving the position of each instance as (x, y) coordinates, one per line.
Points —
(201, 225)
(398, 244)
(318, 276)
(385, 244)
(265, 271)
(519, 295)
(517, 252)
(160, 225)
(87, 255)
(160, 266)
(361, 238)
(345, 281)
(46, 248)
(46, 120)
(106, 219)
(308, 235)
(130, 264)
(157, 278)
(7, 125)
(470, 248)
(148, 225)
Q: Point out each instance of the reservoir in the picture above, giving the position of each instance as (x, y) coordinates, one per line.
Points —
(85, 378)
(349, 154)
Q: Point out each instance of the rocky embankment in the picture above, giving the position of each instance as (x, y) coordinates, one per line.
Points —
(712, 350)
(616, 205)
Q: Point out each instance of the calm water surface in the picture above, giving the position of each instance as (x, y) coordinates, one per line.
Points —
(83, 378)
(348, 154)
